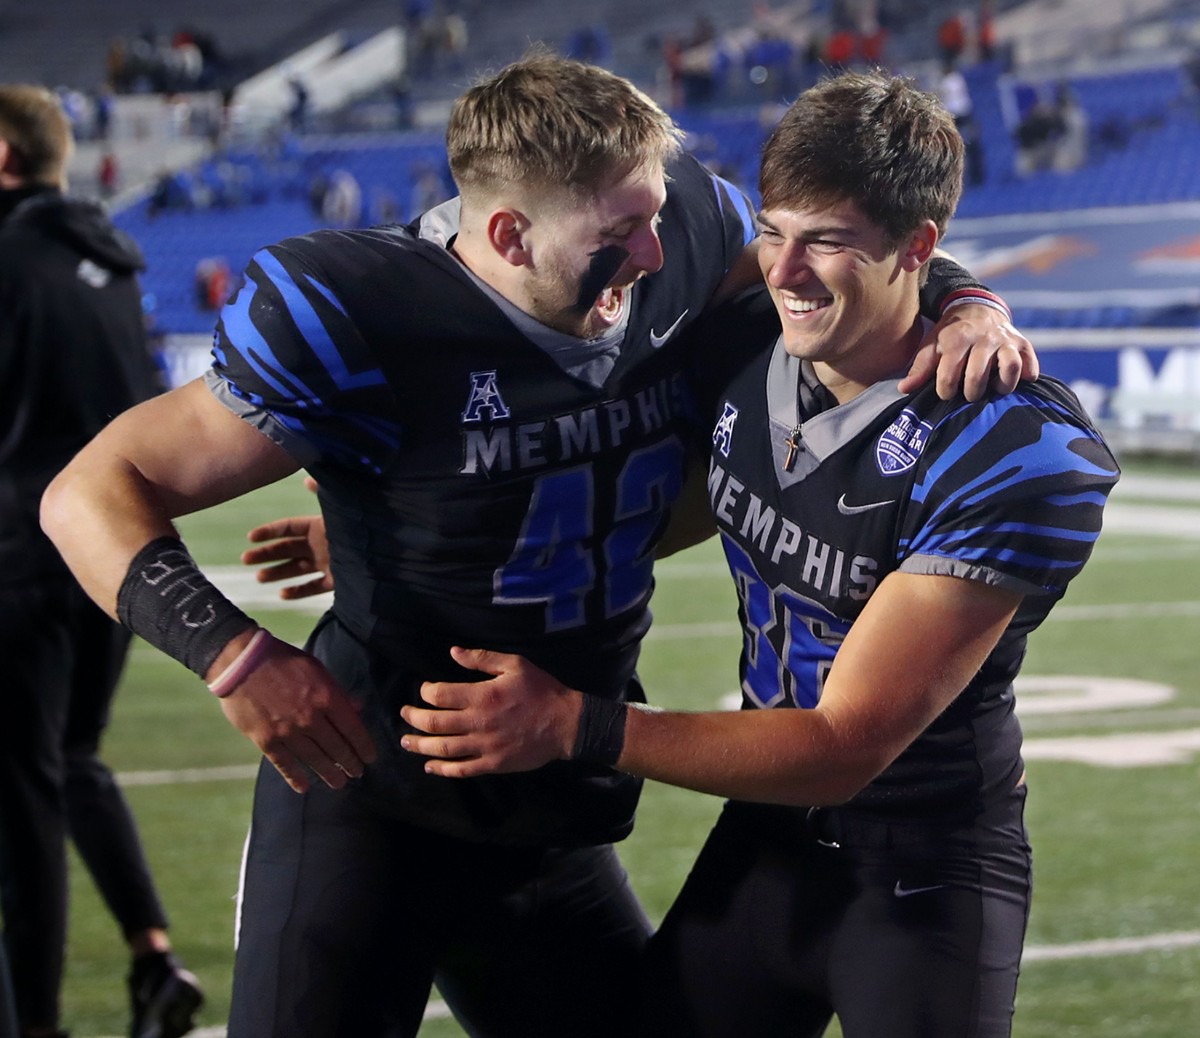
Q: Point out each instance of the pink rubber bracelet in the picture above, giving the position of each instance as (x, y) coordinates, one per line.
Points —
(243, 664)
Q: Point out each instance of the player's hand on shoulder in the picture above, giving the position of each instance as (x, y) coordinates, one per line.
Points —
(301, 719)
(973, 348)
(517, 720)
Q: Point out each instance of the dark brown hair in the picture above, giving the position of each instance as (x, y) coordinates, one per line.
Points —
(870, 138)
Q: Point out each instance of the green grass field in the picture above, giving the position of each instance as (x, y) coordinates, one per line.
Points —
(1114, 943)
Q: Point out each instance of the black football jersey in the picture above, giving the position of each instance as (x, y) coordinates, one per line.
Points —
(817, 503)
(476, 493)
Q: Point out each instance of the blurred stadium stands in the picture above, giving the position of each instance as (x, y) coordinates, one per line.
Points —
(1111, 297)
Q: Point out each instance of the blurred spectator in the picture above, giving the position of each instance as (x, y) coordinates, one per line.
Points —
(79, 111)
(1053, 134)
(184, 64)
(108, 174)
(212, 283)
(1037, 135)
(172, 190)
(402, 99)
(841, 50)
(672, 70)
(317, 187)
(987, 31)
(955, 96)
(429, 188)
(439, 38)
(703, 31)
(298, 109)
(872, 42)
(952, 36)
(116, 65)
(701, 72)
(455, 36)
(342, 204)
(696, 64)
(103, 104)
(221, 183)
(211, 60)
(1071, 150)
(151, 63)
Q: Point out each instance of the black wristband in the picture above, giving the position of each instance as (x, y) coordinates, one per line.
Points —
(945, 277)
(176, 608)
(601, 735)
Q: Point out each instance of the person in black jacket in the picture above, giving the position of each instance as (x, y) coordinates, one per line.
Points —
(8, 1019)
(73, 355)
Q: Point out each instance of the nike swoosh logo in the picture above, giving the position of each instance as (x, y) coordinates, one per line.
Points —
(846, 509)
(901, 891)
(657, 340)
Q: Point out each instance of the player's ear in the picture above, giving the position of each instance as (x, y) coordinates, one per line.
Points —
(9, 160)
(506, 230)
(920, 247)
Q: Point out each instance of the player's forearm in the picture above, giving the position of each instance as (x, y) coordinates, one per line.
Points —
(522, 718)
(799, 757)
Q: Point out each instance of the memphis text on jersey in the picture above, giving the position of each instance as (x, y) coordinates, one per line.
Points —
(495, 444)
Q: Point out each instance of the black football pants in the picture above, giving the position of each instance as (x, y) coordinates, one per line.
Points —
(347, 918)
(62, 659)
(902, 931)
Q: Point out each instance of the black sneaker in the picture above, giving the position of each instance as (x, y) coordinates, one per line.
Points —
(165, 997)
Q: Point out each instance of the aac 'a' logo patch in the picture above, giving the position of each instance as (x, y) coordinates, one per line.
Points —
(901, 444)
(723, 433)
(485, 399)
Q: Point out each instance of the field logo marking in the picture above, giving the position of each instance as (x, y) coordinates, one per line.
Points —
(1086, 693)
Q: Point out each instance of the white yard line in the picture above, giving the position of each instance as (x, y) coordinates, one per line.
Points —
(1122, 611)
(1157, 488)
(1109, 946)
(238, 772)
(1149, 521)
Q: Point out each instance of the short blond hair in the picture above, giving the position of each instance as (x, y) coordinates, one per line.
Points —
(548, 122)
(35, 126)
